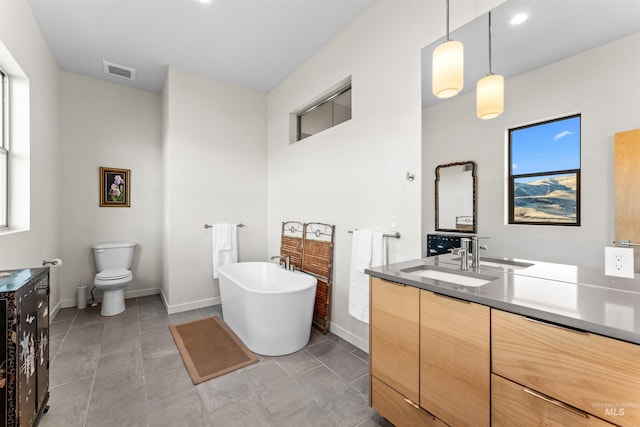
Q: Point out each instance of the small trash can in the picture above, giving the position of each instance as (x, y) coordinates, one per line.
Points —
(82, 296)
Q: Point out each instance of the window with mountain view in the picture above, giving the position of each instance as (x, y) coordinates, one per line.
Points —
(544, 173)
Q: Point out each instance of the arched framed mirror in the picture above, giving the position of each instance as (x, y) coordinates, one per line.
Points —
(456, 204)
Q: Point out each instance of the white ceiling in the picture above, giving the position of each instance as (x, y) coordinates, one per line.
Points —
(257, 43)
(556, 29)
(252, 43)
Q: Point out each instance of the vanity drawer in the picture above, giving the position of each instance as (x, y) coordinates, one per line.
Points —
(599, 375)
(515, 405)
(400, 411)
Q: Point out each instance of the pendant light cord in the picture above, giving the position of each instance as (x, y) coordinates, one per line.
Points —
(448, 38)
(490, 73)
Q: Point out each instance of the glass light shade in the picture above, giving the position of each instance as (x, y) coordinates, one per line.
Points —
(490, 96)
(448, 69)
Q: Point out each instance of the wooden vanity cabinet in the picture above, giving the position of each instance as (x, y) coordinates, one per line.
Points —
(597, 376)
(429, 357)
(24, 353)
(437, 360)
(395, 354)
(455, 360)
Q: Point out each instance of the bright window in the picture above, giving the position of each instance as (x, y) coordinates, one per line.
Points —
(544, 173)
(15, 151)
(4, 148)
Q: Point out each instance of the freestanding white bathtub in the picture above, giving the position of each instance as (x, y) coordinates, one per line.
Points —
(269, 308)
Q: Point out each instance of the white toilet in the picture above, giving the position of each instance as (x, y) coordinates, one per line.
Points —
(113, 261)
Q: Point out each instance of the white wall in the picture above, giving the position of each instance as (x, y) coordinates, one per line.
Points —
(109, 125)
(354, 175)
(23, 39)
(215, 172)
(602, 84)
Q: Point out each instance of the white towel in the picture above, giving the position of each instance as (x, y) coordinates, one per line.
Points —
(368, 249)
(378, 249)
(225, 246)
(361, 250)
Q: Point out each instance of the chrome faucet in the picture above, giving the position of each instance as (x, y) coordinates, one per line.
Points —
(475, 250)
(464, 253)
(287, 261)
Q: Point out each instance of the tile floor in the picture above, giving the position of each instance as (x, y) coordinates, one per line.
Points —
(125, 370)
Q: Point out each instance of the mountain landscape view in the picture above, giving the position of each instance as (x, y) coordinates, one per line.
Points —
(549, 199)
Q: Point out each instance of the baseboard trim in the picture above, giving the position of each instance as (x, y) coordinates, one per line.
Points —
(136, 293)
(55, 311)
(164, 301)
(350, 337)
(179, 308)
(68, 303)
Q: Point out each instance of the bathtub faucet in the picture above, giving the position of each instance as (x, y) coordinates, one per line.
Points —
(287, 260)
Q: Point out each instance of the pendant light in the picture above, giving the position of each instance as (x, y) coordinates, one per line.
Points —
(448, 66)
(490, 91)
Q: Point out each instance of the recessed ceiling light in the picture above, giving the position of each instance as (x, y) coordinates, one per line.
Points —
(519, 18)
(205, 1)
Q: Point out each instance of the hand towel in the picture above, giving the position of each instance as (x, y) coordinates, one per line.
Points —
(378, 249)
(361, 251)
(224, 247)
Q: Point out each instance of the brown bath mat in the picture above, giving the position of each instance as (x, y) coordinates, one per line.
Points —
(210, 349)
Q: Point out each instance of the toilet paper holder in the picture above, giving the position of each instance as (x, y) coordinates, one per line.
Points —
(54, 262)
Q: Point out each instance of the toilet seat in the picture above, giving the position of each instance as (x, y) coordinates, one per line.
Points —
(115, 274)
(109, 279)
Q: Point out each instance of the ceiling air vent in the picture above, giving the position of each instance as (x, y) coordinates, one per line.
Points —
(119, 70)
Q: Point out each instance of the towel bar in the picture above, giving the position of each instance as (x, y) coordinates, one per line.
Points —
(395, 235)
(210, 226)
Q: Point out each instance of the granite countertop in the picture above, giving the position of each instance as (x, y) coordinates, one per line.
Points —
(576, 297)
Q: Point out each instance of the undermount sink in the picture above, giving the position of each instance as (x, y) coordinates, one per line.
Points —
(450, 276)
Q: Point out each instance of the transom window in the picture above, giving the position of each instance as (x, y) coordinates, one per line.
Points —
(328, 112)
(544, 173)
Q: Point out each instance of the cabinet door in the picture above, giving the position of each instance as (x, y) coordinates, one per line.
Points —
(627, 174)
(42, 347)
(394, 336)
(26, 341)
(455, 360)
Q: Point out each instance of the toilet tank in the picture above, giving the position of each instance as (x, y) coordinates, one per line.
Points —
(110, 256)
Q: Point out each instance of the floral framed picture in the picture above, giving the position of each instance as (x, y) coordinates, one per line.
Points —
(115, 187)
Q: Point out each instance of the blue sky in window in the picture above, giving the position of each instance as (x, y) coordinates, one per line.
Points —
(547, 147)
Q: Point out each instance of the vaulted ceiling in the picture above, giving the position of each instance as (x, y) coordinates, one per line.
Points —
(253, 43)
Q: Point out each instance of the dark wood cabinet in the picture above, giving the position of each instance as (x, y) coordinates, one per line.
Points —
(24, 348)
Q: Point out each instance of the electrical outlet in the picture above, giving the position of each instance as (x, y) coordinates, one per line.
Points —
(618, 262)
